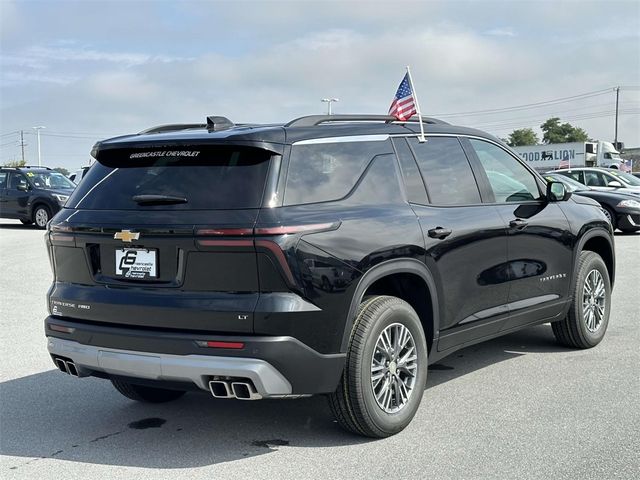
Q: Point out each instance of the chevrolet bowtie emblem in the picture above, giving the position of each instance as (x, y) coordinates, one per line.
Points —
(126, 236)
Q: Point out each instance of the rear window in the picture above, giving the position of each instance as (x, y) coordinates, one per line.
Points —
(209, 178)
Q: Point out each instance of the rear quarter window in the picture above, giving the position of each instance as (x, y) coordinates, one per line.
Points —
(321, 172)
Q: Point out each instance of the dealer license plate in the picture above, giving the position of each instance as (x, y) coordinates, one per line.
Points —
(137, 263)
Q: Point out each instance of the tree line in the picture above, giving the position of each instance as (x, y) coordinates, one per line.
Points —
(553, 132)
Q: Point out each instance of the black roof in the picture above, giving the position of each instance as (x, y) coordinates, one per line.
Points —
(275, 136)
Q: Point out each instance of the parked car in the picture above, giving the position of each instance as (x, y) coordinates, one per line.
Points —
(604, 179)
(622, 210)
(334, 255)
(32, 194)
(76, 176)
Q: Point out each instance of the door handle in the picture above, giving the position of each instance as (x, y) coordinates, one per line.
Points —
(439, 232)
(518, 224)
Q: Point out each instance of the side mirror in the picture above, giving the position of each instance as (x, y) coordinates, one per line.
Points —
(23, 187)
(557, 192)
(614, 184)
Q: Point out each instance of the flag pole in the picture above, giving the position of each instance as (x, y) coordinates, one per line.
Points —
(415, 96)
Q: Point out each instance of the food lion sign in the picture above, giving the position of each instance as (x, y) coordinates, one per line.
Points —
(550, 156)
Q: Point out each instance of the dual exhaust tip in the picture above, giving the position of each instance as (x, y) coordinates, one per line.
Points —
(241, 389)
(66, 366)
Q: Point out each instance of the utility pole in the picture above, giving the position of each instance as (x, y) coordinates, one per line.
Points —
(615, 142)
(22, 144)
(37, 129)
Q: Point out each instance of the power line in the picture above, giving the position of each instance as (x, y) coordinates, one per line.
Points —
(529, 105)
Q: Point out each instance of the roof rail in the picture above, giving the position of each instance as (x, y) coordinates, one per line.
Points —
(313, 120)
(172, 128)
(34, 166)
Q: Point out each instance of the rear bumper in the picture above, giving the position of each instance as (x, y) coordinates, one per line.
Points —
(277, 366)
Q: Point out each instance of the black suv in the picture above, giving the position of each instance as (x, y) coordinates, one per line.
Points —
(32, 194)
(331, 255)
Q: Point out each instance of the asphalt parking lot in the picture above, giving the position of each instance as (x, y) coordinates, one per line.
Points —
(516, 407)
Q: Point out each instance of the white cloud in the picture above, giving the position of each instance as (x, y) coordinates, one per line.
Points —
(501, 32)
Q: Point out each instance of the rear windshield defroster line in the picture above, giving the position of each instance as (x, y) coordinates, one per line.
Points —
(208, 177)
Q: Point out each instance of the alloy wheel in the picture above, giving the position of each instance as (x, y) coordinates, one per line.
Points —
(593, 300)
(42, 217)
(394, 366)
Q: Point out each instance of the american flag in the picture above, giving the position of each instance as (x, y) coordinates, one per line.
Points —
(564, 164)
(625, 166)
(403, 106)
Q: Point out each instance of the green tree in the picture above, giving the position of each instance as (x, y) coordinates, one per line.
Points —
(62, 170)
(556, 132)
(15, 163)
(521, 137)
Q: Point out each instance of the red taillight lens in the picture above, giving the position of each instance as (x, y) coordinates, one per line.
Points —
(220, 344)
(60, 328)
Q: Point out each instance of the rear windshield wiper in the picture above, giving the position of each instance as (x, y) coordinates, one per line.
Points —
(158, 199)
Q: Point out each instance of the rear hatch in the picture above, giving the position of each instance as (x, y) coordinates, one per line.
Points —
(161, 238)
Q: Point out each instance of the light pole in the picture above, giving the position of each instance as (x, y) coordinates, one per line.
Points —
(37, 129)
(329, 101)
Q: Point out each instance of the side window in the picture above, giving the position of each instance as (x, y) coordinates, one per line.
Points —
(510, 180)
(577, 176)
(606, 179)
(16, 179)
(3, 179)
(594, 179)
(410, 173)
(321, 172)
(446, 171)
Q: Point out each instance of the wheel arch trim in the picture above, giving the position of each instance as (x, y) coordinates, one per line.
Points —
(589, 235)
(384, 269)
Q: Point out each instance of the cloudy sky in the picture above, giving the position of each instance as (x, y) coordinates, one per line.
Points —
(92, 69)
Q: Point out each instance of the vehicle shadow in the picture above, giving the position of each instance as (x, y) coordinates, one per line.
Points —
(51, 415)
(16, 226)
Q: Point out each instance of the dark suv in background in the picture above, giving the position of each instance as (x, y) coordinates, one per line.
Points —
(331, 255)
(32, 194)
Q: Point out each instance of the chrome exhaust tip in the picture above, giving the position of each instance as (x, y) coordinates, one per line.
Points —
(220, 389)
(62, 365)
(71, 369)
(245, 391)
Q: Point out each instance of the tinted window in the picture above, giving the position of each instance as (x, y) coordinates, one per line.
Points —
(577, 176)
(595, 179)
(208, 177)
(509, 179)
(380, 183)
(50, 180)
(16, 179)
(3, 179)
(446, 171)
(320, 172)
(412, 179)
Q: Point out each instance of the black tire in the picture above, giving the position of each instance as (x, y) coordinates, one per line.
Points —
(41, 215)
(141, 393)
(573, 331)
(611, 216)
(354, 403)
(26, 222)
